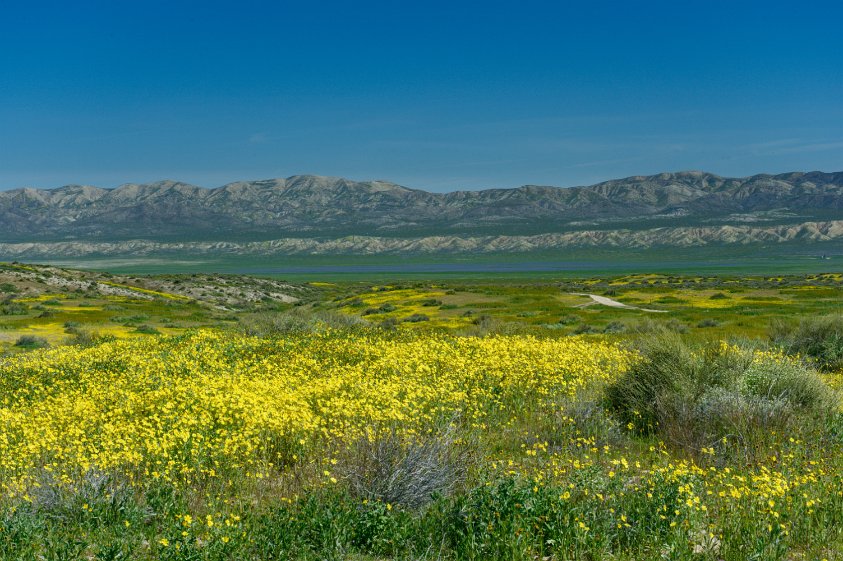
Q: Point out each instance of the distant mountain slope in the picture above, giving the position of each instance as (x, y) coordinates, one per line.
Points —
(313, 206)
(680, 237)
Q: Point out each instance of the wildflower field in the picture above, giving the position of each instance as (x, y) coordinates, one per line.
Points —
(418, 444)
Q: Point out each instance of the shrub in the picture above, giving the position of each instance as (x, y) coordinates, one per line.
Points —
(429, 302)
(8, 287)
(400, 470)
(484, 321)
(388, 324)
(415, 318)
(614, 327)
(130, 320)
(820, 338)
(697, 397)
(147, 330)
(85, 338)
(718, 296)
(710, 322)
(13, 309)
(583, 329)
(31, 342)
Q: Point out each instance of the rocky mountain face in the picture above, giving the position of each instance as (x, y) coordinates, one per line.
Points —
(313, 206)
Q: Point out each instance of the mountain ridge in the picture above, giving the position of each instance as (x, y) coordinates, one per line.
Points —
(320, 206)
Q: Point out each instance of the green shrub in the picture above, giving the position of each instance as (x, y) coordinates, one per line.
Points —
(710, 322)
(820, 338)
(583, 329)
(130, 320)
(614, 327)
(415, 318)
(13, 309)
(699, 397)
(86, 338)
(8, 287)
(31, 342)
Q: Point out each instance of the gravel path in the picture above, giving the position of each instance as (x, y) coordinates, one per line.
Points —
(615, 304)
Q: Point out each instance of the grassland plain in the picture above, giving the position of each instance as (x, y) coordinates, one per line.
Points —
(492, 429)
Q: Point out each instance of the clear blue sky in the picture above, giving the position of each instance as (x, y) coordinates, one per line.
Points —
(436, 95)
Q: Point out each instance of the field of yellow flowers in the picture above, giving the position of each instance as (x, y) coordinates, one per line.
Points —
(378, 445)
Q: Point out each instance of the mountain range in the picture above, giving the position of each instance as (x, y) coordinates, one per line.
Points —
(313, 213)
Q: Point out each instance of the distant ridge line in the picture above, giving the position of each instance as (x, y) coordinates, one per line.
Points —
(370, 245)
(307, 206)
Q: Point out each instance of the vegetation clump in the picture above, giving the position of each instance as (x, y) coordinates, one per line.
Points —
(31, 342)
(718, 396)
(12, 308)
(416, 318)
(8, 288)
(820, 338)
(411, 471)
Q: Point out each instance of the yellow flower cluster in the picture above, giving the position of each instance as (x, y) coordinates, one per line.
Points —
(211, 403)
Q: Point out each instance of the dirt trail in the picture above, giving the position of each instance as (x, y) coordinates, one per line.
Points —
(614, 303)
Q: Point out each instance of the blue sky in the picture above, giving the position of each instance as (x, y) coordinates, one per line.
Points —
(434, 95)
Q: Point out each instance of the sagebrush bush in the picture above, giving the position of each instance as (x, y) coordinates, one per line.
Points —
(699, 397)
(394, 469)
(13, 309)
(820, 338)
(86, 338)
(31, 342)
